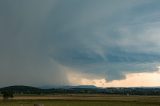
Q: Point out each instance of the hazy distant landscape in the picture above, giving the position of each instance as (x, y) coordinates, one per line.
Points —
(81, 96)
(83, 89)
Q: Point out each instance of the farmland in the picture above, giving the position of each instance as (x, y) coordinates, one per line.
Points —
(83, 100)
(75, 96)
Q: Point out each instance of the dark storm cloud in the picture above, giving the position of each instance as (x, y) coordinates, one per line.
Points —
(109, 38)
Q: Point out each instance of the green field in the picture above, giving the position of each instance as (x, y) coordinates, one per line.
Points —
(85, 101)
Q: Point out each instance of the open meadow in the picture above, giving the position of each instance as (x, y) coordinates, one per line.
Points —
(83, 100)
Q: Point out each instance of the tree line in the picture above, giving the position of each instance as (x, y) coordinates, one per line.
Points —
(9, 91)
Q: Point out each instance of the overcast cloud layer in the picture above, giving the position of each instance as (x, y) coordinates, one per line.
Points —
(41, 39)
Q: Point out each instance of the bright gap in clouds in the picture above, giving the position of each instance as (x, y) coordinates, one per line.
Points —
(145, 79)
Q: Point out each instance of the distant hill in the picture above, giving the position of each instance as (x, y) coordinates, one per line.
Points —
(63, 89)
(85, 86)
(21, 89)
(78, 86)
(83, 89)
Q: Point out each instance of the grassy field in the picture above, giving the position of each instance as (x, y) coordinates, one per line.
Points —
(81, 100)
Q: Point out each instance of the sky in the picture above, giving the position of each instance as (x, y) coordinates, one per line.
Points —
(106, 43)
